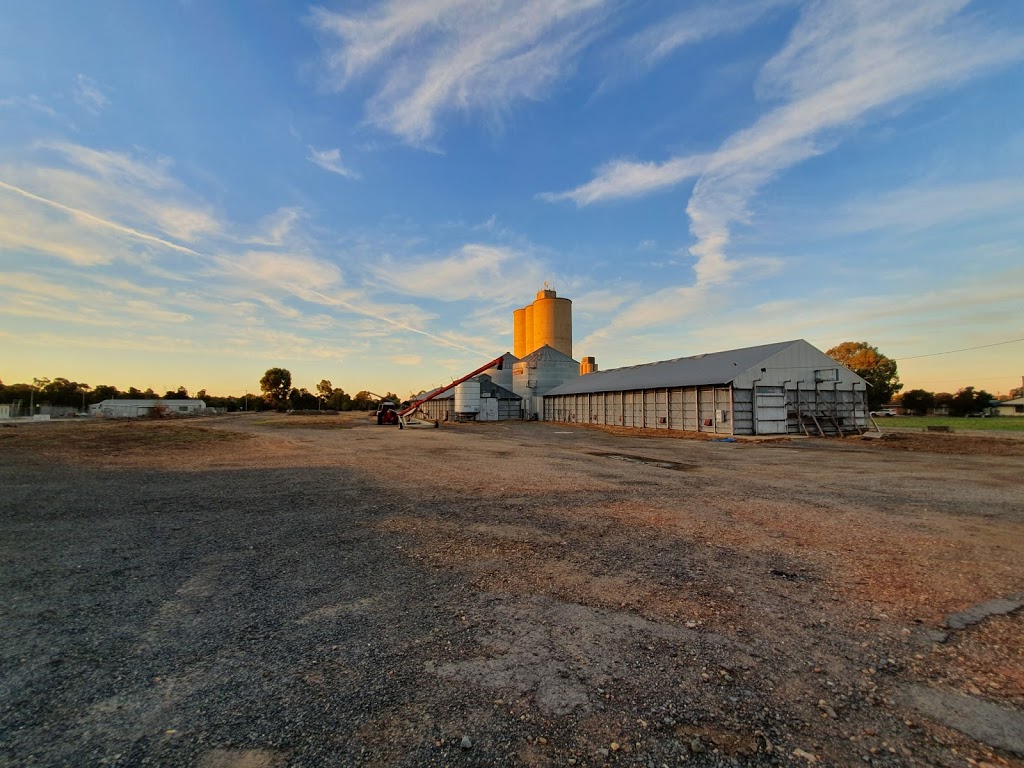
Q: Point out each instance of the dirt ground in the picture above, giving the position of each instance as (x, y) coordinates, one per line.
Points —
(257, 590)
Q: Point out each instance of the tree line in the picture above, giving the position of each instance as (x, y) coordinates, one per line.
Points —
(278, 392)
(881, 374)
(919, 402)
(66, 393)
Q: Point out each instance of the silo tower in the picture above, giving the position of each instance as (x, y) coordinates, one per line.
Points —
(552, 322)
(545, 322)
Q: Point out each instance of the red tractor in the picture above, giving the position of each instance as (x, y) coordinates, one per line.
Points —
(387, 412)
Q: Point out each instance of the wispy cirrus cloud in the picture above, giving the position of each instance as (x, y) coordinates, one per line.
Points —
(31, 102)
(928, 205)
(133, 190)
(648, 48)
(330, 160)
(90, 94)
(440, 56)
(842, 63)
(621, 179)
(473, 271)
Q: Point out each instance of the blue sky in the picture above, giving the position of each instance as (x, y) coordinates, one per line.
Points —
(192, 192)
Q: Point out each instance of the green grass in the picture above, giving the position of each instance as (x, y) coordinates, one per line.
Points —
(957, 423)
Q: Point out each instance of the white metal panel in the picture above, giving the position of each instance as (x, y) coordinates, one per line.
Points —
(770, 410)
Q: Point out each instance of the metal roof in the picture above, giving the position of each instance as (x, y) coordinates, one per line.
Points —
(486, 385)
(695, 371)
(547, 354)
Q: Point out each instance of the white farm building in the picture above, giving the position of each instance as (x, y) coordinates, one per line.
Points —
(782, 388)
(130, 409)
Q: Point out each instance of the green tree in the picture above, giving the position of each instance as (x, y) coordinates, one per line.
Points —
(339, 400)
(103, 392)
(918, 401)
(276, 385)
(324, 389)
(364, 401)
(871, 365)
(969, 400)
(302, 400)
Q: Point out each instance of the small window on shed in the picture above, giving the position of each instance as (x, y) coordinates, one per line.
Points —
(182, 407)
(827, 374)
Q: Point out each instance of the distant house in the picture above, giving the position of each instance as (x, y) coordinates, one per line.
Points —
(131, 409)
(1013, 407)
(5, 411)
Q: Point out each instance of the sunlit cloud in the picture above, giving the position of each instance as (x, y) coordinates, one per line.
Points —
(437, 57)
(841, 64)
(485, 272)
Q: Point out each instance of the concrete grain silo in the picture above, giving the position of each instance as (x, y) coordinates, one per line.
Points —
(552, 323)
(519, 340)
(588, 365)
(528, 345)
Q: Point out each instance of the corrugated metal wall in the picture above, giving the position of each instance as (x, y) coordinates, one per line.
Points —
(707, 409)
(717, 410)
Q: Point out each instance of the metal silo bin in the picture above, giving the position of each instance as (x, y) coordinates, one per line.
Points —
(467, 397)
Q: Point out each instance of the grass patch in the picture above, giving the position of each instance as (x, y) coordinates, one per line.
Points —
(993, 423)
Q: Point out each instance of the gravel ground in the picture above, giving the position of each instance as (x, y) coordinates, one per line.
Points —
(238, 592)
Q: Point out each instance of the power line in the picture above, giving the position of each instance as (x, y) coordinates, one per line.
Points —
(965, 349)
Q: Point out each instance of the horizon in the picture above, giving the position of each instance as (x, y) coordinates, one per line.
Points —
(365, 195)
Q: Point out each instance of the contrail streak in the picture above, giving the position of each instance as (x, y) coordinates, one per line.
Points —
(183, 249)
(102, 222)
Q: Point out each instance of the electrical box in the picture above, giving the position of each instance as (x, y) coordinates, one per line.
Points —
(722, 416)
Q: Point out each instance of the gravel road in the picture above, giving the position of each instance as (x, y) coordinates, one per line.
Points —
(251, 591)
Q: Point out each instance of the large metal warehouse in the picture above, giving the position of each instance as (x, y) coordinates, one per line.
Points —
(783, 388)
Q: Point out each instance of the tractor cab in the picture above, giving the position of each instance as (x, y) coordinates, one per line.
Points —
(387, 412)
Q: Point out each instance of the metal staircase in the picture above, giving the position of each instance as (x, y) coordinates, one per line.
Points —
(824, 413)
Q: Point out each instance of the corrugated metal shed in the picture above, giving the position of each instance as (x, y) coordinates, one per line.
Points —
(695, 371)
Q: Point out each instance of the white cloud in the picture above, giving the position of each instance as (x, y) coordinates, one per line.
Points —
(923, 206)
(31, 102)
(648, 48)
(441, 56)
(841, 63)
(152, 172)
(298, 271)
(278, 226)
(407, 359)
(89, 94)
(101, 187)
(474, 271)
(330, 160)
(621, 179)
